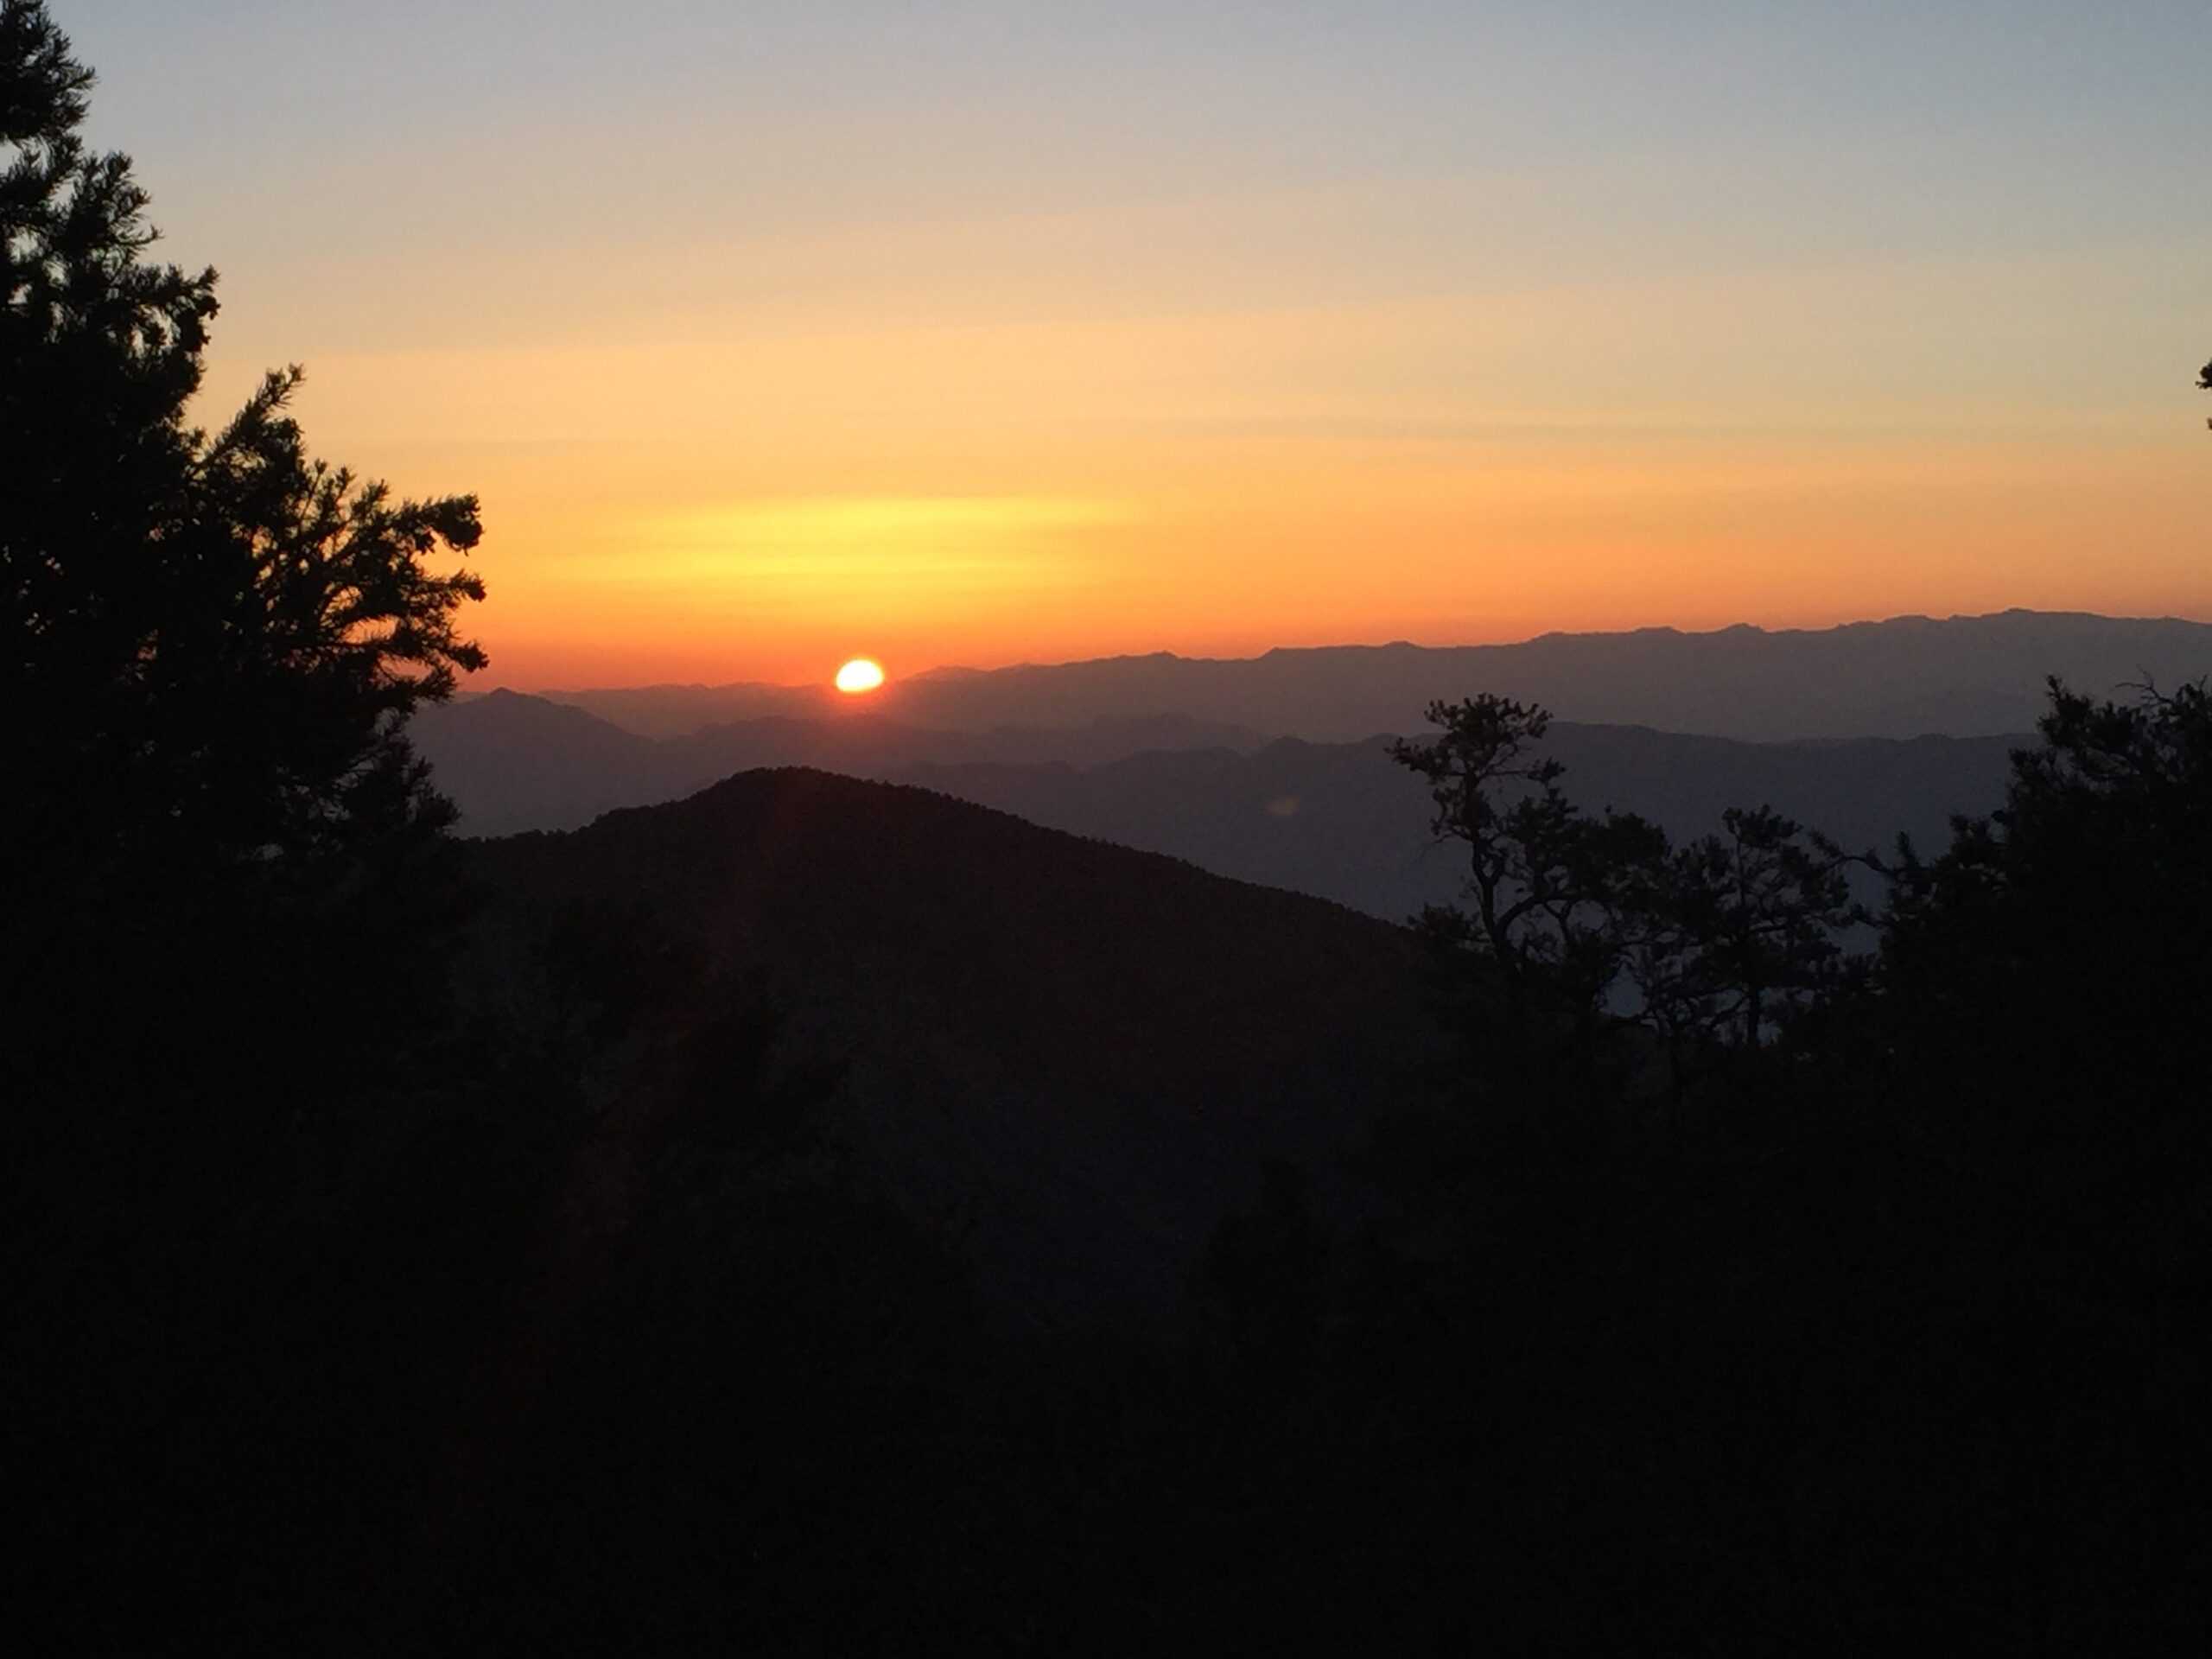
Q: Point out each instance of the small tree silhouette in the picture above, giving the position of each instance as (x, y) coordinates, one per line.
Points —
(1723, 940)
(1548, 884)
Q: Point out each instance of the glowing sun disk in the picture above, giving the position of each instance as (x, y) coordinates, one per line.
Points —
(860, 674)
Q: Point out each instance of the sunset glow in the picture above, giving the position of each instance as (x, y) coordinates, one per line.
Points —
(1002, 343)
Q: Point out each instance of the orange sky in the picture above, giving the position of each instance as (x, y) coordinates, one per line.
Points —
(985, 494)
(1034, 333)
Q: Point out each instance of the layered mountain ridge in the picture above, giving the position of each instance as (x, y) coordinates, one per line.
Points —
(1341, 821)
(1904, 676)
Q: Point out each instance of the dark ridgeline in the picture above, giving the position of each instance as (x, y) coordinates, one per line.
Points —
(1081, 1053)
(818, 1215)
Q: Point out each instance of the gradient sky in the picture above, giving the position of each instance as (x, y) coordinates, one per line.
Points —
(773, 332)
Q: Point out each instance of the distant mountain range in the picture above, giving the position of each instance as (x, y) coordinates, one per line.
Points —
(1274, 769)
(1346, 822)
(1961, 677)
(514, 762)
(1076, 1054)
(1338, 820)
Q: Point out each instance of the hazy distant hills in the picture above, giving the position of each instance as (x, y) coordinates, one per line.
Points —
(1346, 822)
(515, 762)
(1339, 820)
(1079, 1051)
(1172, 755)
(1966, 676)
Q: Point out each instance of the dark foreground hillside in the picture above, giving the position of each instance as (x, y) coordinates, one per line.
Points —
(768, 1235)
(1079, 1053)
(1886, 1332)
(823, 1216)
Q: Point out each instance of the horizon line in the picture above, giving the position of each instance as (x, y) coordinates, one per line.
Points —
(1028, 666)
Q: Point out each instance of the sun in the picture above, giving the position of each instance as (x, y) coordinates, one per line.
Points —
(860, 674)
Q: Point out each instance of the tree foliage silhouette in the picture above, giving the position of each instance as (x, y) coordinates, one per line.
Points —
(1735, 933)
(2083, 905)
(1548, 884)
(222, 636)
(1583, 922)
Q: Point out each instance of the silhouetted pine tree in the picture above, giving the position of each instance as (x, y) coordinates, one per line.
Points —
(211, 641)
(225, 881)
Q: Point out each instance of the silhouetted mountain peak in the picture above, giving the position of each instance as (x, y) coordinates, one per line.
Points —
(1096, 1042)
